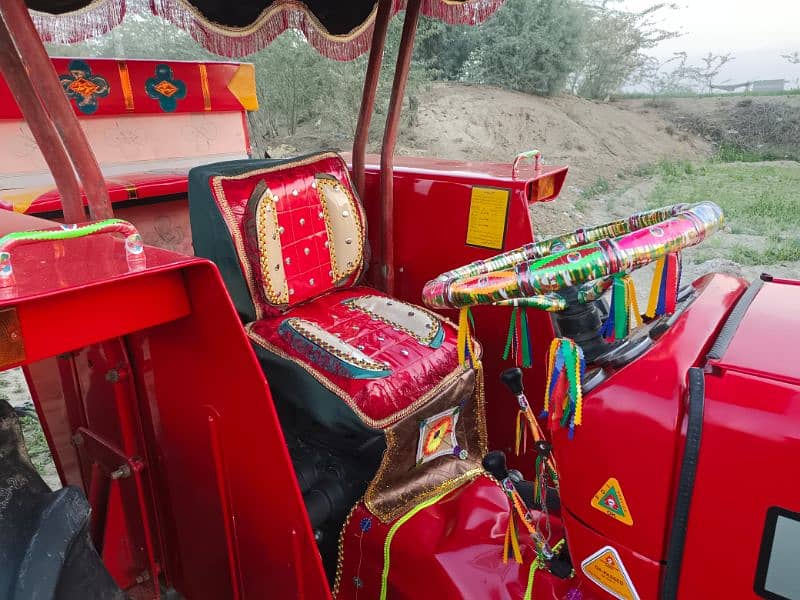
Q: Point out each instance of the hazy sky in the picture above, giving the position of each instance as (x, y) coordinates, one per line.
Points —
(757, 32)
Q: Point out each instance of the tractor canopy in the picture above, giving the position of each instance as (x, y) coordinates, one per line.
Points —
(338, 30)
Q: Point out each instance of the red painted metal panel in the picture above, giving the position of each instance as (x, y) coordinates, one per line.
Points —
(188, 370)
(748, 463)
(123, 188)
(127, 86)
(189, 360)
(631, 429)
(759, 345)
(431, 215)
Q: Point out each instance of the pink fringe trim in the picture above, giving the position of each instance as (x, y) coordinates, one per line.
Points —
(96, 19)
(101, 16)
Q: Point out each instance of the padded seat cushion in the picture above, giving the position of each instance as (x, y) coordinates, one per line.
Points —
(383, 357)
(281, 231)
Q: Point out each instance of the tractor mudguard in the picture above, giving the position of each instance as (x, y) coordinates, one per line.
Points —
(45, 550)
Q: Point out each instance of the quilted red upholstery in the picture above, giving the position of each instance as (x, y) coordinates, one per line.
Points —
(416, 368)
(306, 257)
(413, 367)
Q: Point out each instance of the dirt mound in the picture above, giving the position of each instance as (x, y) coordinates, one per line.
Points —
(741, 127)
(595, 139)
(599, 141)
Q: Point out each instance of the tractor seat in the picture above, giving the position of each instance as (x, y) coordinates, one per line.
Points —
(289, 238)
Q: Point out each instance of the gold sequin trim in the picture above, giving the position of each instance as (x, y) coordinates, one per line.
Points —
(264, 211)
(336, 390)
(353, 303)
(306, 329)
(233, 223)
(340, 555)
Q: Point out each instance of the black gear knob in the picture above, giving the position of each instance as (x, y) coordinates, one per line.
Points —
(512, 378)
(495, 463)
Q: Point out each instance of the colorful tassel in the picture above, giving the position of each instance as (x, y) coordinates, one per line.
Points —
(563, 401)
(518, 343)
(512, 327)
(464, 345)
(521, 435)
(526, 359)
(664, 289)
(623, 314)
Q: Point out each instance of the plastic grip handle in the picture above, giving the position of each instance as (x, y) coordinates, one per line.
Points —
(534, 155)
(134, 248)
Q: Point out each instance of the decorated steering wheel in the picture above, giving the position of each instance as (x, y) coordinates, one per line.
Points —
(591, 259)
(534, 274)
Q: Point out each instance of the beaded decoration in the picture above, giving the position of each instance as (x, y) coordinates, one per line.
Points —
(420, 324)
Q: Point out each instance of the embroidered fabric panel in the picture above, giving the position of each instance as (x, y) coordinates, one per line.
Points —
(417, 322)
(306, 255)
(330, 352)
(435, 449)
(416, 369)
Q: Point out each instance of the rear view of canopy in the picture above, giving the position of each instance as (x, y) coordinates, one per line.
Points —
(338, 30)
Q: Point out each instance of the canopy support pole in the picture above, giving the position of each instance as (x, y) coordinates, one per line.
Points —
(390, 140)
(42, 128)
(370, 89)
(39, 68)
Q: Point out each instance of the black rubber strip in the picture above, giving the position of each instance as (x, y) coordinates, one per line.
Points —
(734, 320)
(680, 516)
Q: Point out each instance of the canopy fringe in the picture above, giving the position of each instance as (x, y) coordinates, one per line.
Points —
(100, 16)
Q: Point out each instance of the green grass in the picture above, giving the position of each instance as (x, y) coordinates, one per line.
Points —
(778, 250)
(38, 450)
(600, 186)
(757, 199)
(733, 153)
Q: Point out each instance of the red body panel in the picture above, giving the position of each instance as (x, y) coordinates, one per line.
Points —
(432, 203)
(204, 435)
(212, 94)
(631, 428)
(462, 540)
(750, 445)
(124, 188)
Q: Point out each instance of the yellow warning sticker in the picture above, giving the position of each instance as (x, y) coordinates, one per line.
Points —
(488, 209)
(605, 568)
(610, 500)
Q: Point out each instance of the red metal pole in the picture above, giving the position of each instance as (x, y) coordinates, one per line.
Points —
(39, 68)
(382, 19)
(42, 129)
(390, 139)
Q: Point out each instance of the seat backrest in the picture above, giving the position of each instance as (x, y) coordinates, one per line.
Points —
(281, 231)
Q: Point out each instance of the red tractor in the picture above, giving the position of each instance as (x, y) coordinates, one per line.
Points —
(287, 414)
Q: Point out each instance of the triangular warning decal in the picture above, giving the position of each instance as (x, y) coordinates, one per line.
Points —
(610, 500)
(605, 568)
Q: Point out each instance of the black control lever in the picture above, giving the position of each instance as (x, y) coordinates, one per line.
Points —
(495, 463)
(512, 379)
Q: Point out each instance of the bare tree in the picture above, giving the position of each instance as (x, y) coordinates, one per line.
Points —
(793, 58)
(709, 69)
